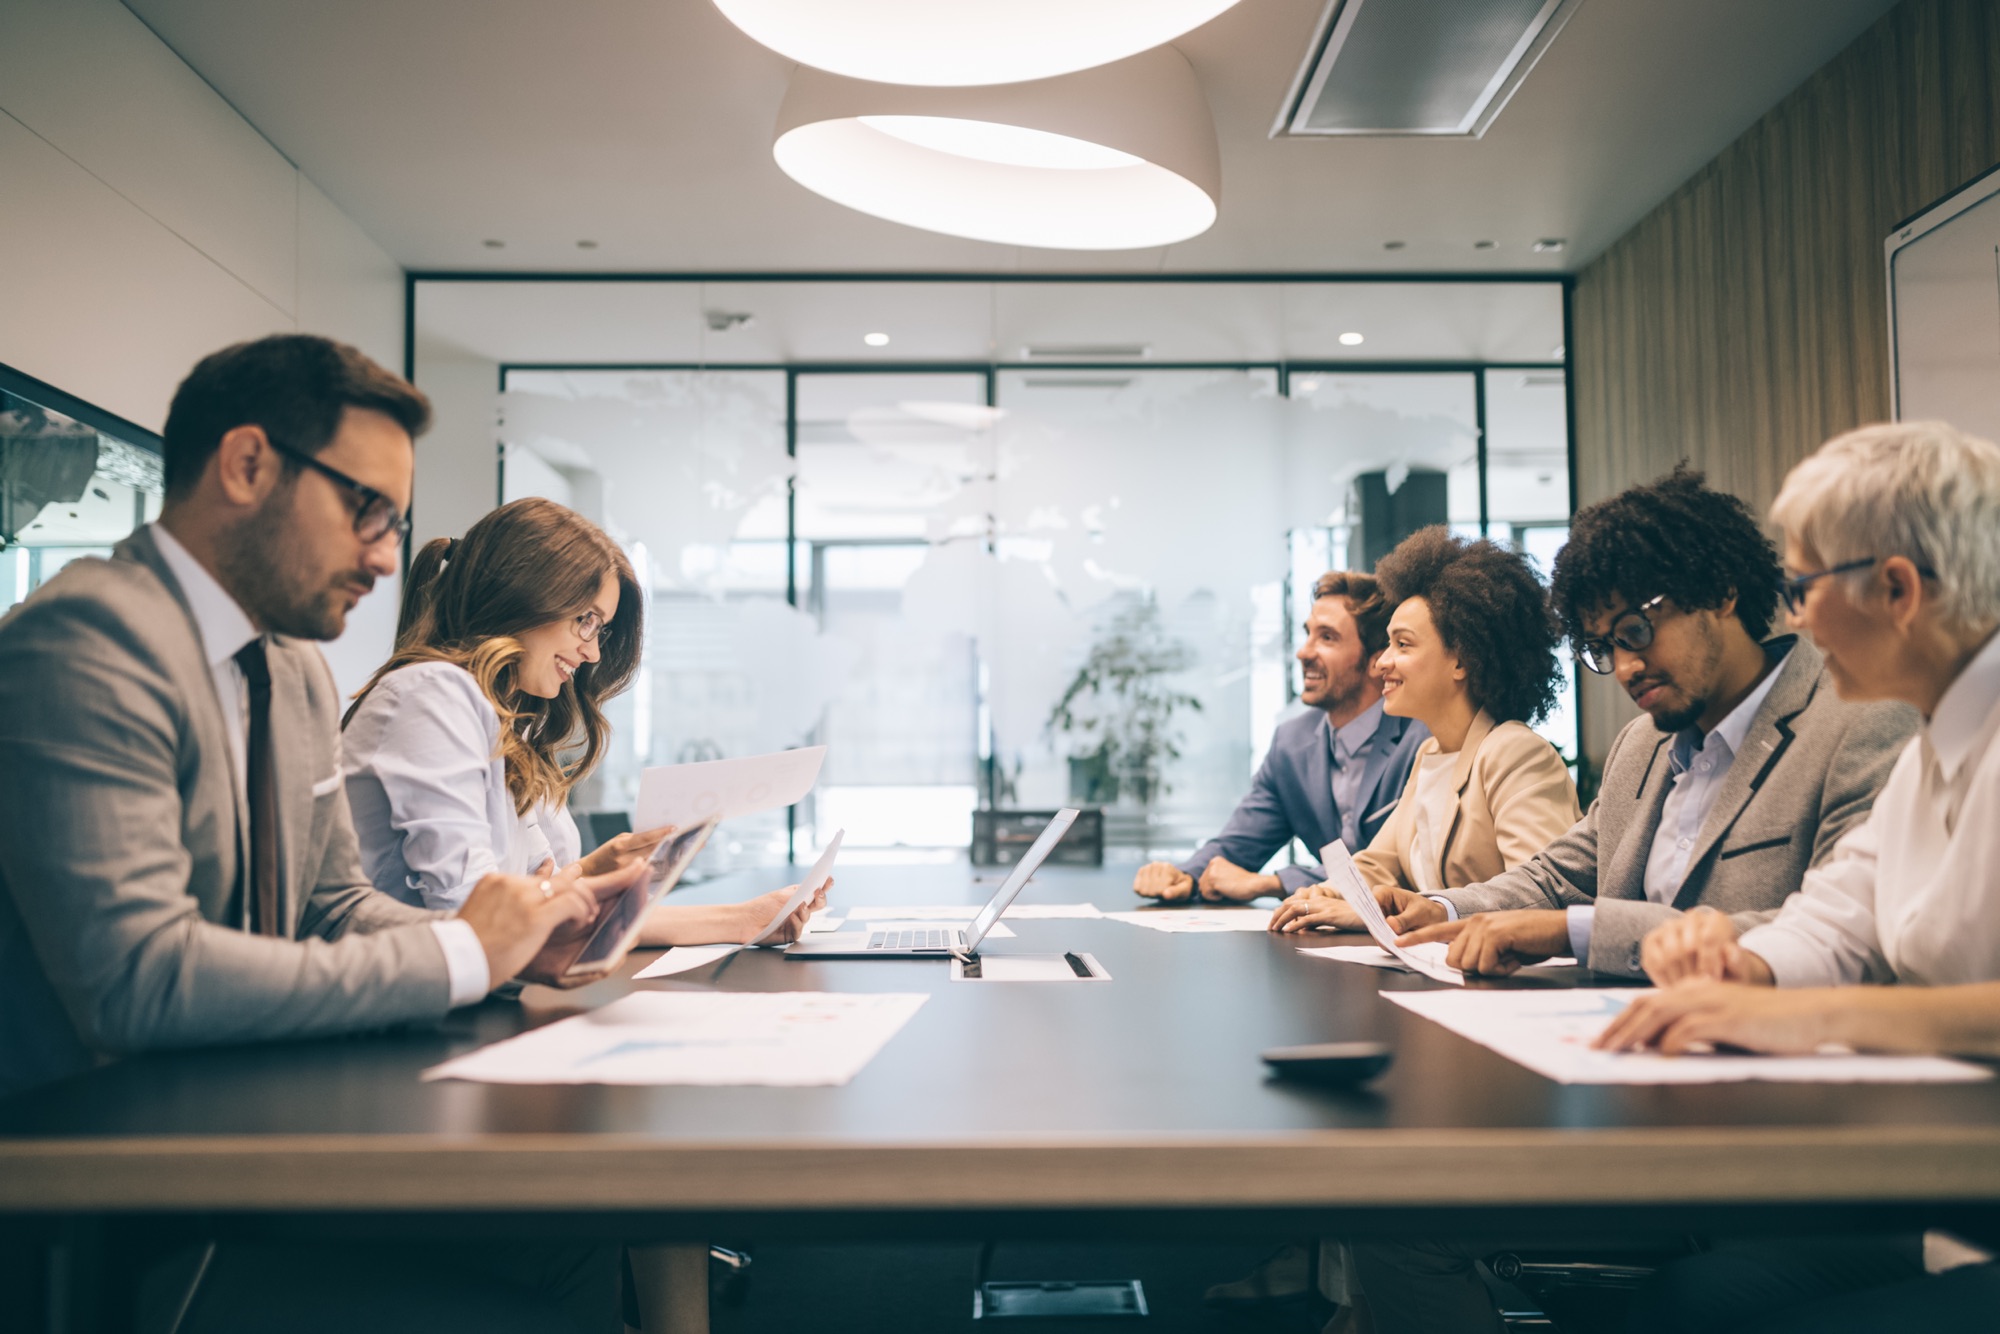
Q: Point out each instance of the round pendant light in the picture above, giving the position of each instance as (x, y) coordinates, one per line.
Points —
(958, 43)
(1118, 157)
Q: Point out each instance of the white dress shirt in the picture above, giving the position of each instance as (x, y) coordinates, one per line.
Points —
(432, 810)
(1913, 895)
(1348, 748)
(1698, 775)
(224, 629)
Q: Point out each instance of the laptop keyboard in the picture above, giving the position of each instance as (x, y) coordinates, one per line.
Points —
(933, 938)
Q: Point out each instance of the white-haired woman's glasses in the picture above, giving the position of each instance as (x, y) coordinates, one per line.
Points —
(1793, 590)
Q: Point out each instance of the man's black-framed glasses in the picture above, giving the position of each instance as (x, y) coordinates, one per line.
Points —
(1632, 631)
(375, 515)
(1793, 589)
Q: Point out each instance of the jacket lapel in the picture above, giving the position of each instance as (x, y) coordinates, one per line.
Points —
(1388, 737)
(211, 733)
(291, 716)
(1461, 774)
(1769, 735)
(1625, 877)
(1319, 785)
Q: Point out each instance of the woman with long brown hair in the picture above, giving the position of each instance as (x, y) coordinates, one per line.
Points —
(461, 753)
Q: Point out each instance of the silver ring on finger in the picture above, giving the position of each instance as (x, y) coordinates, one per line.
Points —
(548, 890)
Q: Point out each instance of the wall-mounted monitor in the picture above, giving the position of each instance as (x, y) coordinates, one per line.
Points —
(1944, 311)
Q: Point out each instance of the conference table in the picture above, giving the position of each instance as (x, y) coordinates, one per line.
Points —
(1136, 1108)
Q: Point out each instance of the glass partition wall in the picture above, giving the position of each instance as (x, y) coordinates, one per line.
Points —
(68, 487)
(1010, 585)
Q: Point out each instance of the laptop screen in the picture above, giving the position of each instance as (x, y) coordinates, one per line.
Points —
(1011, 886)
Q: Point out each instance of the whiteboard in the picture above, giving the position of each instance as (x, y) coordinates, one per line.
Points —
(1944, 311)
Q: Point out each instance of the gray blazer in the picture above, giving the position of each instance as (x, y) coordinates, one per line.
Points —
(1292, 796)
(122, 830)
(1808, 772)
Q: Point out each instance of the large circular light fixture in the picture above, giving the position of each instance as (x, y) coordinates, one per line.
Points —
(1120, 157)
(960, 43)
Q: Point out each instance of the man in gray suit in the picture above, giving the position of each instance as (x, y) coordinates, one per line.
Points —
(177, 866)
(1744, 772)
(1332, 773)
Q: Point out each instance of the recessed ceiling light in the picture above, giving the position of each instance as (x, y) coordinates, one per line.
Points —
(1118, 158)
(1305, 385)
(1482, 245)
(493, 245)
(1393, 245)
(965, 42)
(1550, 244)
(876, 339)
(1351, 339)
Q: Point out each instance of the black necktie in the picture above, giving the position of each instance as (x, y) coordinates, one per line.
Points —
(262, 881)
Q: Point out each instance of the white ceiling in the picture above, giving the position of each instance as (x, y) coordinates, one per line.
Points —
(644, 125)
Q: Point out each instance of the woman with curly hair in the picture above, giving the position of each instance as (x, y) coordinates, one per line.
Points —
(1472, 656)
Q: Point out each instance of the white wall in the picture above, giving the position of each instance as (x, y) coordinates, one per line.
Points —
(143, 224)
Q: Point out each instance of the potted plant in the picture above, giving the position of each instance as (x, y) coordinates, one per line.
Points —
(1118, 711)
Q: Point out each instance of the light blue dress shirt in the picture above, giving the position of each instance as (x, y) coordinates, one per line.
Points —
(1348, 748)
(1698, 773)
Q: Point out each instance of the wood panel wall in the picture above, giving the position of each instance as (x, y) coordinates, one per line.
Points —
(1745, 319)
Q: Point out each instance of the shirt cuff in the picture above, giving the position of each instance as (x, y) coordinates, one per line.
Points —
(465, 967)
(1793, 962)
(1450, 912)
(1581, 920)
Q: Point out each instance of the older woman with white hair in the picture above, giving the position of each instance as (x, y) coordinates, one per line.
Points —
(1892, 545)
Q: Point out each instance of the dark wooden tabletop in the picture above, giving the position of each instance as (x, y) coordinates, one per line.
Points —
(1147, 1092)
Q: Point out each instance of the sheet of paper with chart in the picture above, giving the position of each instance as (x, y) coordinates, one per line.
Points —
(1196, 921)
(1427, 958)
(1550, 1033)
(698, 1037)
(681, 794)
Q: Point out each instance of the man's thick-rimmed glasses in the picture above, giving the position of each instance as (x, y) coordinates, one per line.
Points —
(375, 515)
(1793, 590)
(1632, 631)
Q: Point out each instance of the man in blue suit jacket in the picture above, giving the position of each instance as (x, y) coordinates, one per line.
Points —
(1333, 773)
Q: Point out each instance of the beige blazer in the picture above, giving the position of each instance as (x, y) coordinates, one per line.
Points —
(1515, 797)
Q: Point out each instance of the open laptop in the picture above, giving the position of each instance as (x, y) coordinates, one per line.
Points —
(943, 940)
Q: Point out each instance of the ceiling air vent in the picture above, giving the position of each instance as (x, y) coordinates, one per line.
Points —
(1086, 351)
(1389, 67)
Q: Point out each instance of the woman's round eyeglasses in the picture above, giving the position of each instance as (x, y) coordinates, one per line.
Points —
(588, 624)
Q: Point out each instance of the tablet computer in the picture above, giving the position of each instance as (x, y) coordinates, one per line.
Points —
(621, 918)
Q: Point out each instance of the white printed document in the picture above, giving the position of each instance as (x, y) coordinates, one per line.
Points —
(1550, 1032)
(965, 912)
(1427, 958)
(1377, 957)
(1196, 921)
(683, 794)
(809, 884)
(698, 1037)
(685, 959)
